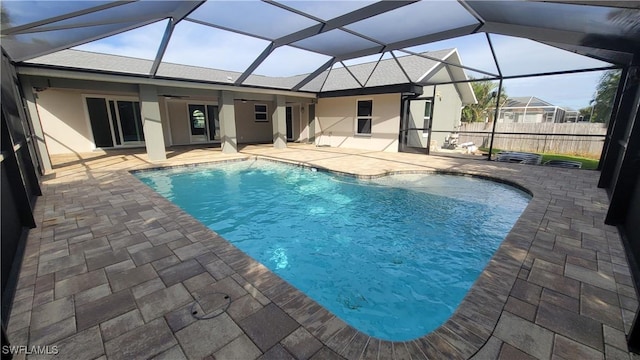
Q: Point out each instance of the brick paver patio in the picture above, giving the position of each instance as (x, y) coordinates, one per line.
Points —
(113, 270)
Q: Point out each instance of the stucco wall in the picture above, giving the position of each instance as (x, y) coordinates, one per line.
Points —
(336, 123)
(447, 110)
(177, 111)
(250, 131)
(304, 124)
(64, 123)
(166, 131)
(295, 120)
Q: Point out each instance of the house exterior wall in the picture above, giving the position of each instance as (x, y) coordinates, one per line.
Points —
(336, 123)
(67, 128)
(64, 121)
(295, 120)
(447, 111)
(166, 130)
(304, 123)
(248, 129)
(179, 124)
(536, 114)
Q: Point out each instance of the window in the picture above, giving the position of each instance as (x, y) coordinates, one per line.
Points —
(364, 118)
(261, 112)
(428, 106)
(196, 114)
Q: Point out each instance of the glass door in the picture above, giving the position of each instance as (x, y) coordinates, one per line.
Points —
(204, 123)
(115, 122)
(415, 126)
(129, 122)
(100, 122)
(198, 123)
(289, 121)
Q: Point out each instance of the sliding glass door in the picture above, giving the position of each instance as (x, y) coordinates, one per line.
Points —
(130, 122)
(115, 121)
(203, 123)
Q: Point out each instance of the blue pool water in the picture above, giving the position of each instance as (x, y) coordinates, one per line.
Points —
(393, 257)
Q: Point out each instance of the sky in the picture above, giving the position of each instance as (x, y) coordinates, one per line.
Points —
(199, 45)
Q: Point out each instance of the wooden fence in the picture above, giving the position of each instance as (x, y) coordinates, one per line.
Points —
(544, 142)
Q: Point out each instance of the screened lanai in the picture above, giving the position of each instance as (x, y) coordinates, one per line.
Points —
(556, 51)
(318, 43)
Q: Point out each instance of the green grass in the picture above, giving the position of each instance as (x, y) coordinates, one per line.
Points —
(587, 163)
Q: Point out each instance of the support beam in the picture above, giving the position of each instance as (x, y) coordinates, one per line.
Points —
(366, 12)
(265, 53)
(51, 20)
(20, 52)
(606, 174)
(314, 74)
(278, 118)
(151, 123)
(227, 117)
(168, 31)
(36, 125)
(623, 156)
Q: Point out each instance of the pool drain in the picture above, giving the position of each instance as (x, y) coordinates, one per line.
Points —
(220, 303)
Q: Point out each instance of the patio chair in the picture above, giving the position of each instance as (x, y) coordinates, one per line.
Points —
(519, 157)
(564, 164)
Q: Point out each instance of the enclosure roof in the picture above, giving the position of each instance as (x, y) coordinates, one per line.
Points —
(330, 33)
(522, 101)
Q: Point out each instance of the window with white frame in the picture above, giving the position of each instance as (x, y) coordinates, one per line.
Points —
(260, 111)
(364, 117)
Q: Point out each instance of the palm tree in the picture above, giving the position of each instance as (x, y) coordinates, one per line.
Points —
(486, 92)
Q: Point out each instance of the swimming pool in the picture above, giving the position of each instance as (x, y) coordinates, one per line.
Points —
(393, 256)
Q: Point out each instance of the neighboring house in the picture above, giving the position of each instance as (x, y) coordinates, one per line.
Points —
(85, 101)
(531, 109)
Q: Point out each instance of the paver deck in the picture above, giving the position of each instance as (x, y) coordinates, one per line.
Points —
(113, 271)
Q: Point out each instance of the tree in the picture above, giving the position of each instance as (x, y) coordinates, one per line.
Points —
(606, 89)
(486, 92)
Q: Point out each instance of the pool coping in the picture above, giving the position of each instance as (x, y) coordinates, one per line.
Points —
(461, 336)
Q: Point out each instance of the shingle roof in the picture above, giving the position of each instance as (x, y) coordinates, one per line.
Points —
(93, 61)
(385, 72)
